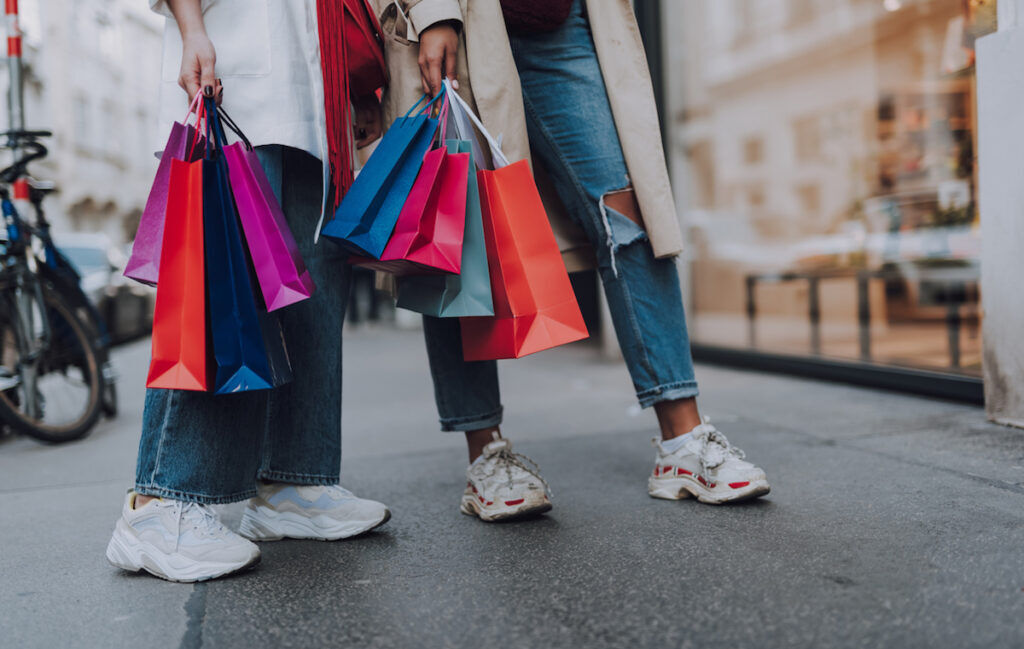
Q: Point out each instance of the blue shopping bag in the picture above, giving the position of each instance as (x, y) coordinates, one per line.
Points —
(469, 292)
(248, 344)
(366, 217)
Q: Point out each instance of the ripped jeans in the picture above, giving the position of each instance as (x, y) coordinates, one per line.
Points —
(573, 133)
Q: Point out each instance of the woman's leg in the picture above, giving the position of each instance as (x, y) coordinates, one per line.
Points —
(205, 448)
(198, 447)
(302, 432)
(572, 131)
(298, 495)
(467, 392)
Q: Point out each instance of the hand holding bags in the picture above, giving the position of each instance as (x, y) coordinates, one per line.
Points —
(144, 263)
(534, 304)
(205, 299)
(364, 221)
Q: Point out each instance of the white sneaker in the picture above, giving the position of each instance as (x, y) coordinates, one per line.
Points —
(502, 485)
(177, 541)
(324, 513)
(708, 467)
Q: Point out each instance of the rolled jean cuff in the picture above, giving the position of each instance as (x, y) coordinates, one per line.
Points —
(305, 479)
(667, 392)
(473, 422)
(191, 497)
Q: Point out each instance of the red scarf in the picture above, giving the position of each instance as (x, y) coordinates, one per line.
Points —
(334, 61)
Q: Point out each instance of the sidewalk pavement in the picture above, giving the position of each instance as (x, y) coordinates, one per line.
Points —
(893, 521)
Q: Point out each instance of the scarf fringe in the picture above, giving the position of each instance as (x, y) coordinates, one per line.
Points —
(334, 61)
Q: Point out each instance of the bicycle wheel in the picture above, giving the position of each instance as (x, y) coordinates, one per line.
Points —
(67, 287)
(54, 392)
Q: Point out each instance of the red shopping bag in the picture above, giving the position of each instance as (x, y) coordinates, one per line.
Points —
(179, 321)
(534, 304)
(429, 232)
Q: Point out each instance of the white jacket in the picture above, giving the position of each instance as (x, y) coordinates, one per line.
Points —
(268, 58)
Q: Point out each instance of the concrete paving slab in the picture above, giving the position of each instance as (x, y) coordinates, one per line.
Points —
(831, 559)
(894, 521)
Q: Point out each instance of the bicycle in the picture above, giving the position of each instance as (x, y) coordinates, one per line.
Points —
(53, 347)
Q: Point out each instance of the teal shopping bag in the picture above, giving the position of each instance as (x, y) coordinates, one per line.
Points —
(366, 217)
(465, 294)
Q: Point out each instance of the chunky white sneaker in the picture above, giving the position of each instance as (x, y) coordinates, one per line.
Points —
(503, 485)
(323, 513)
(177, 541)
(707, 467)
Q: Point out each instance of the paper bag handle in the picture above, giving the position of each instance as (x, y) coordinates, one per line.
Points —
(497, 155)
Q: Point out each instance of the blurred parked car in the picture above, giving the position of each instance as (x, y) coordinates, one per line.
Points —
(126, 306)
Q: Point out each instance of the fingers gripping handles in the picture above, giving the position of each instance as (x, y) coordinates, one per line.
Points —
(423, 108)
(210, 121)
(459, 106)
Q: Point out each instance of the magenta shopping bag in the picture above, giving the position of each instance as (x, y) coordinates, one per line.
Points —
(182, 144)
(275, 256)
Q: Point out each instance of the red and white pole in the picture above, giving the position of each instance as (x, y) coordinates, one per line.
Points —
(15, 89)
(15, 92)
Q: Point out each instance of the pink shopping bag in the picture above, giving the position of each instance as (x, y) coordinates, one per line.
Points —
(144, 262)
(429, 233)
(430, 229)
(282, 274)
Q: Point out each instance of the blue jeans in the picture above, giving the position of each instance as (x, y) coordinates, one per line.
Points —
(213, 449)
(572, 132)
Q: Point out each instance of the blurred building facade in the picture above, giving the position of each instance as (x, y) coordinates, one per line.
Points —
(91, 78)
(823, 154)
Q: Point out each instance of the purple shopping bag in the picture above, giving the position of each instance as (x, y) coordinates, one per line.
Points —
(182, 144)
(282, 274)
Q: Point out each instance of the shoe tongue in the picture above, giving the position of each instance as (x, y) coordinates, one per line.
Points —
(715, 450)
(497, 446)
(196, 511)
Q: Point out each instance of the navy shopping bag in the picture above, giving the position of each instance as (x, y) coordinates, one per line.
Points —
(248, 344)
(469, 292)
(366, 217)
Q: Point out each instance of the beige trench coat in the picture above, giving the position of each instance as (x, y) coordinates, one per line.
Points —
(489, 81)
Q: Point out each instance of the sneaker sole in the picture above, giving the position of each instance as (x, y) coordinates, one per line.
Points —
(527, 509)
(264, 525)
(684, 487)
(129, 553)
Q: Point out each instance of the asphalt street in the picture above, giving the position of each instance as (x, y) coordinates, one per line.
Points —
(893, 521)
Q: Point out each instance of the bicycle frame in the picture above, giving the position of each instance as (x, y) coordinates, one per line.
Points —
(21, 237)
(20, 268)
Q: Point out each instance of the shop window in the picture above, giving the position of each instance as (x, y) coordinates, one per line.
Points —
(859, 182)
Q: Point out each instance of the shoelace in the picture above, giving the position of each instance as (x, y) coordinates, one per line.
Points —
(506, 458)
(715, 449)
(198, 517)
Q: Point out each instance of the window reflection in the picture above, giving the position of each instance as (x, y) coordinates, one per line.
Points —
(829, 151)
